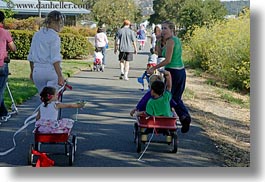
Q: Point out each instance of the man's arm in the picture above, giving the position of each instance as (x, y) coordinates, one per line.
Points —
(12, 46)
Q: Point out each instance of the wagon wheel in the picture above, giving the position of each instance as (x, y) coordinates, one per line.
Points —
(37, 146)
(175, 143)
(71, 154)
(74, 141)
(138, 141)
(135, 131)
(30, 155)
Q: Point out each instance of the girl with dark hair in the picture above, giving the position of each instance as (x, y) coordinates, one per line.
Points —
(47, 118)
(44, 55)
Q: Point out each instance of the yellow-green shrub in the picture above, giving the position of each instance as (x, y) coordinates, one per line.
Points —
(31, 23)
(77, 30)
(224, 51)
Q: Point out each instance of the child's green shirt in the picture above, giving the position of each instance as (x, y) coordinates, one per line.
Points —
(160, 106)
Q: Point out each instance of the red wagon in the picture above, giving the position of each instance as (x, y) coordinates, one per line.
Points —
(69, 141)
(146, 125)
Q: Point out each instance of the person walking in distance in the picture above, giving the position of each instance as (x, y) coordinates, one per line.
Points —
(44, 55)
(125, 43)
(101, 41)
(6, 42)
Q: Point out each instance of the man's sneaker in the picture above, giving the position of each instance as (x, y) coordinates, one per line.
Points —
(121, 77)
(185, 122)
(5, 118)
(126, 78)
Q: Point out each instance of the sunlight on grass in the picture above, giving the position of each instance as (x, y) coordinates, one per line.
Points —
(189, 94)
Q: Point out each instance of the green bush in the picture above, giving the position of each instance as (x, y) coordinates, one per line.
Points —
(22, 39)
(223, 50)
(72, 45)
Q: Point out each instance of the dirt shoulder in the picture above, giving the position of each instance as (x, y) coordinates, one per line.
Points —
(226, 123)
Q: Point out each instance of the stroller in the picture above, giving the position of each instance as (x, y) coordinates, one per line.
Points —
(14, 109)
(97, 64)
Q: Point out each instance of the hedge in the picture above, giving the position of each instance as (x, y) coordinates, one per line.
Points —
(72, 45)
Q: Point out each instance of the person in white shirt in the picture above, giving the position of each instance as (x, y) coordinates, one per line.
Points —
(101, 41)
(44, 54)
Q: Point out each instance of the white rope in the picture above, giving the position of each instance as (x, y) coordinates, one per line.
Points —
(139, 159)
(31, 119)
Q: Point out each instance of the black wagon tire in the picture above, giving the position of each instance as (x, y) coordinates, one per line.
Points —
(135, 132)
(71, 154)
(74, 141)
(175, 143)
(30, 155)
(37, 146)
(138, 142)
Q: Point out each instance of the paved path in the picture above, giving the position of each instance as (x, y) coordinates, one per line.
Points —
(104, 128)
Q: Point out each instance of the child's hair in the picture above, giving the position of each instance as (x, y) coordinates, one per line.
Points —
(155, 78)
(46, 94)
(152, 51)
(158, 87)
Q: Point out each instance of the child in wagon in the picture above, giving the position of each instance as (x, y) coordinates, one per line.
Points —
(47, 118)
(159, 92)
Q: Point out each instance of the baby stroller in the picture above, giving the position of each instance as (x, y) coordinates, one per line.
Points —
(98, 66)
(98, 57)
(14, 109)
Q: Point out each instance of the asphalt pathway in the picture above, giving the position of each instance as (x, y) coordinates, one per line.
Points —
(104, 127)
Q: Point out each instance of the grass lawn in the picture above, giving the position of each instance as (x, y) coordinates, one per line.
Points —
(22, 87)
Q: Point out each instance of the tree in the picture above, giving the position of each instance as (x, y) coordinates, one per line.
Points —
(199, 13)
(113, 13)
(186, 14)
(166, 10)
(8, 12)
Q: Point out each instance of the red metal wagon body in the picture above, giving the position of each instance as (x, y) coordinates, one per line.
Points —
(160, 125)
